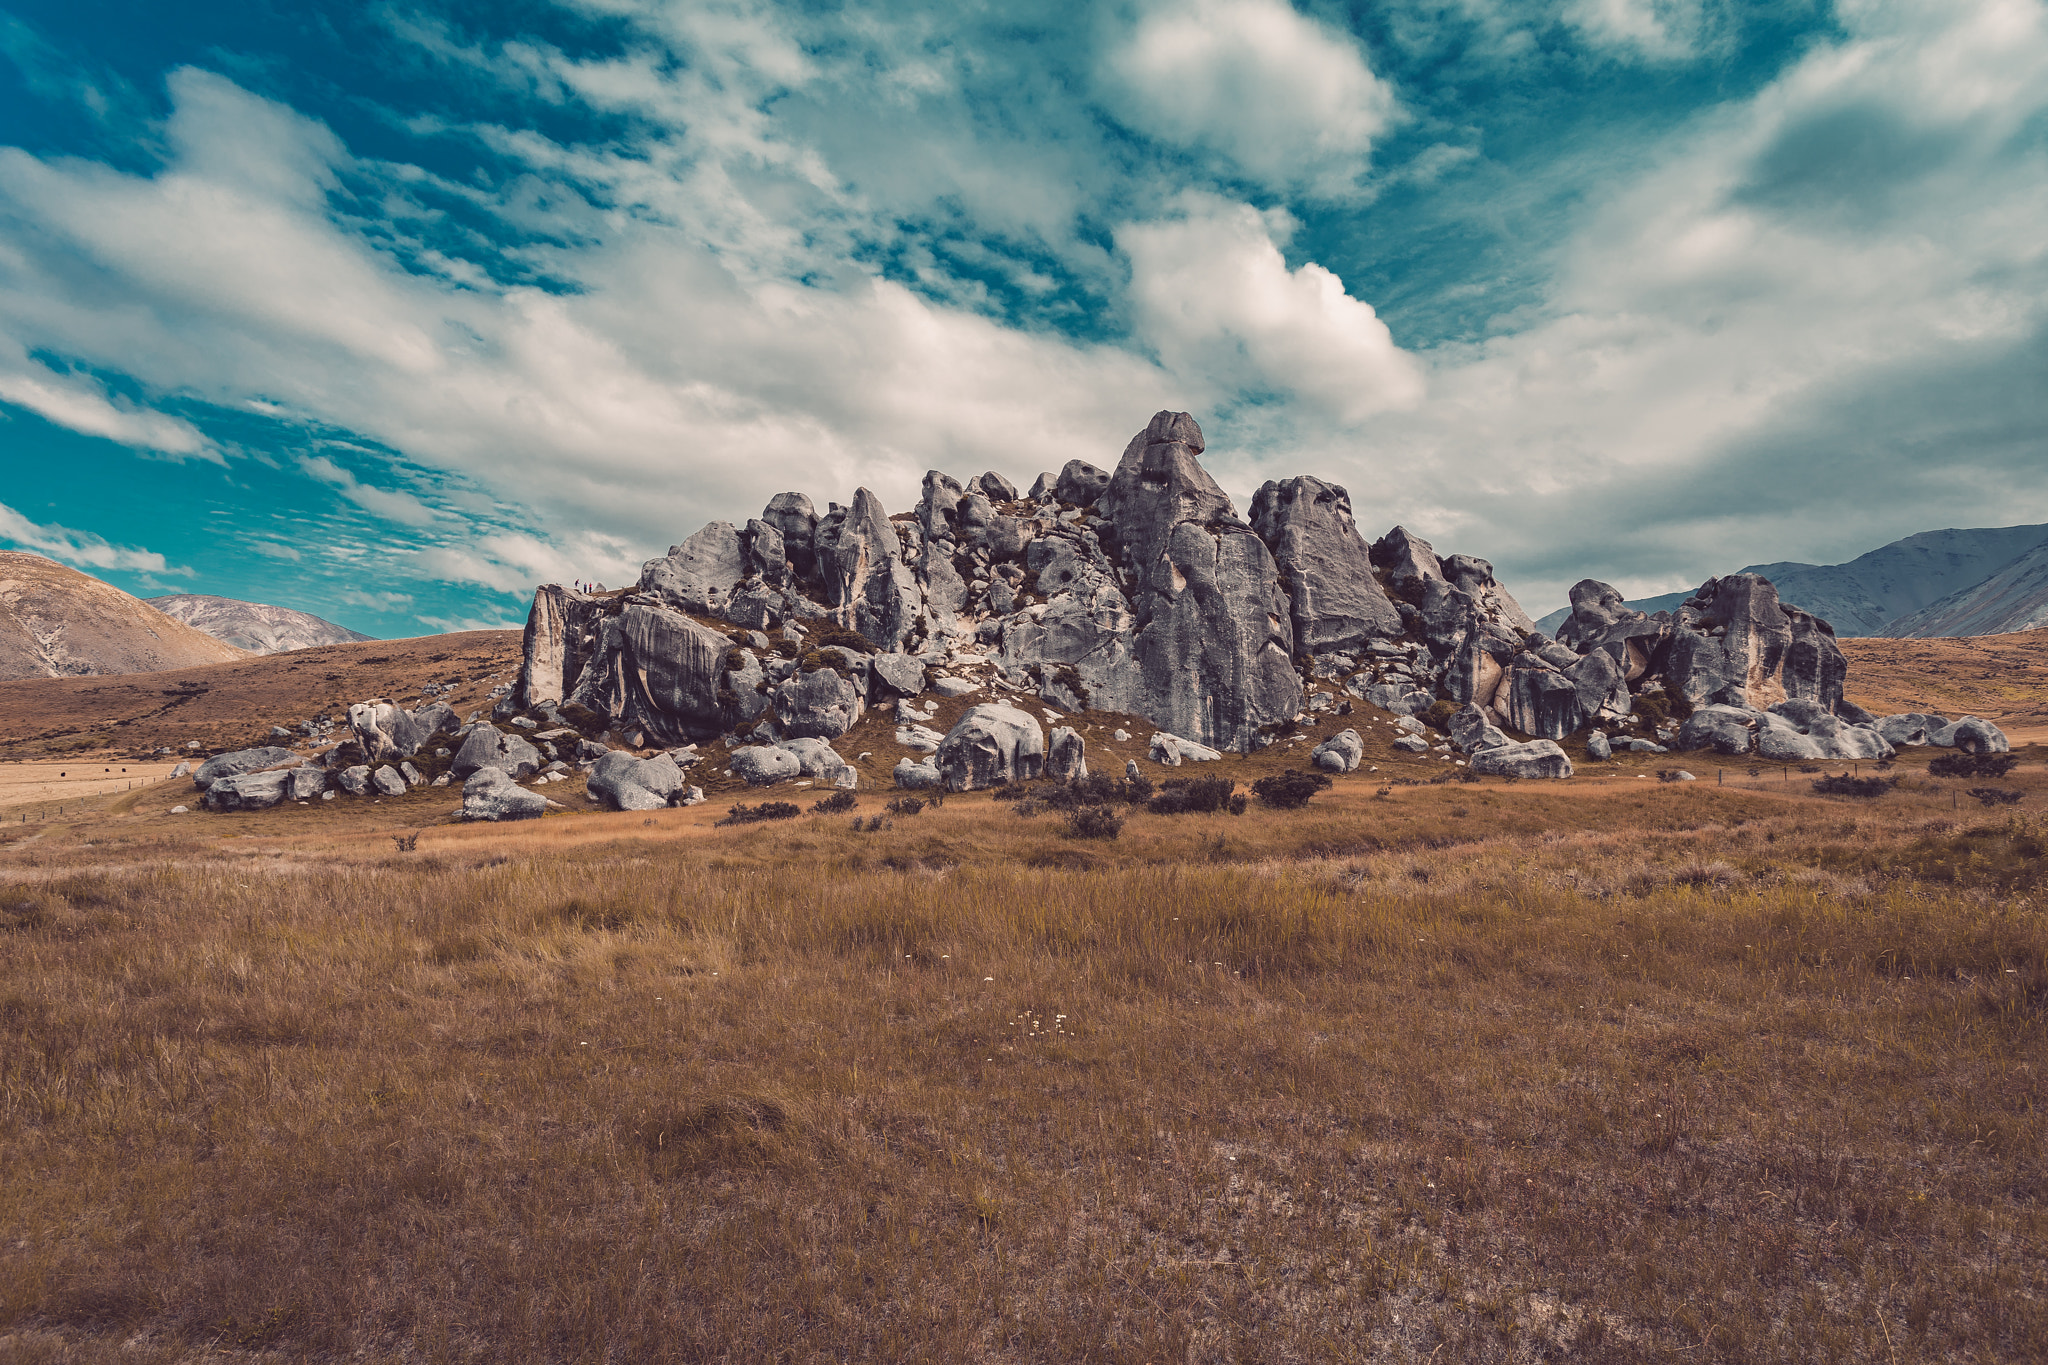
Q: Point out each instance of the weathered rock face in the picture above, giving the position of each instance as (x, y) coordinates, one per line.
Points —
(239, 762)
(386, 732)
(248, 791)
(1066, 754)
(869, 587)
(562, 632)
(1724, 729)
(1408, 560)
(491, 794)
(990, 745)
(1340, 753)
(1324, 565)
(820, 705)
(761, 764)
(1213, 641)
(1537, 758)
(699, 574)
(489, 747)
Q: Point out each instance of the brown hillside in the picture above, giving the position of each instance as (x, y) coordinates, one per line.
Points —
(2003, 678)
(56, 622)
(233, 703)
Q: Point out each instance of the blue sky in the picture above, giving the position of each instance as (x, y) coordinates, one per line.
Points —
(389, 312)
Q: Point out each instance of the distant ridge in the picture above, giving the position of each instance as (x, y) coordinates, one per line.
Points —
(56, 622)
(254, 626)
(1932, 583)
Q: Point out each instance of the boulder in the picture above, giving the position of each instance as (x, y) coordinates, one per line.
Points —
(814, 757)
(1165, 749)
(1340, 753)
(491, 794)
(1401, 698)
(1324, 564)
(624, 782)
(1972, 736)
(817, 705)
(413, 778)
(386, 733)
(248, 791)
(1724, 729)
(355, 781)
(895, 675)
(388, 781)
(867, 584)
(920, 737)
(792, 515)
(563, 631)
(1472, 729)
(306, 783)
(1080, 482)
(699, 574)
(917, 776)
(239, 762)
(990, 745)
(1798, 729)
(1911, 727)
(759, 765)
(954, 687)
(1597, 747)
(996, 488)
(1408, 560)
(1537, 758)
(1066, 754)
(1412, 744)
(182, 770)
(489, 747)
(1541, 701)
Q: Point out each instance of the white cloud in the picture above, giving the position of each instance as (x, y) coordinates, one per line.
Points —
(81, 404)
(1658, 29)
(1288, 101)
(374, 601)
(78, 547)
(403, 508)
(1214, 296)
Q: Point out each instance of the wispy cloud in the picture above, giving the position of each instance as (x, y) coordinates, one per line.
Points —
(82, 548)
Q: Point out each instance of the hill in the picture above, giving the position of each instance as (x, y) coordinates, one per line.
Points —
(56, 622)
(254, 626)
(1932, 583)
(2003, 678)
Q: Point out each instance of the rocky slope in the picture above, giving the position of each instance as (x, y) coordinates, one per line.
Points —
(254, 626)
(1891, 590)
(1140, 591)
(56, 622)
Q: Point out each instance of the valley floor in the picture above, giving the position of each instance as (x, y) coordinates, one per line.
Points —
(1613, 1069)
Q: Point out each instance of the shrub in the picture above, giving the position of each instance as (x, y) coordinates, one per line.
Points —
(767, 810)
(1438, 716)
(1959, 764)
(1844, 785)
(851, 640)
(1094, 822)
(1238, 803)
(1996, 796)
(874, 824)
(1289, 790)
(838, 803)
(1007, 792)
(1192, 796)
(904, 805)
(1029, 807)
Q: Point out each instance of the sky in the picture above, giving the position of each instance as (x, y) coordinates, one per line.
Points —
(391, 311)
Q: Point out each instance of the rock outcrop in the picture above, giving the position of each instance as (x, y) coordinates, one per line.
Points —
(989, 746)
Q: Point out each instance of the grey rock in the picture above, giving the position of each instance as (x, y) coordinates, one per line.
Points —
(181, 810)
(996, 488)
(1410, 725)
(761, 764)
(919, 737)
(491, 794)
(1724, 729)
(239, 762)
(917, 776)
(489, 747)
(1472, 729)
(355, 781)
(1911, 727)
(279, 732)
(846, 778)
(1537, 758)
(1409, 562)
(247, 791)
(1681, 775)
(1971, 735)
(440, 781)
(792, 515)
(624, 782)
(1197, 753)
(869, 587)
(182, 770)
(814, 757)
(562, 632)
(1080, 482)
(898, 675)
(1601, 687)
(819, 705)
(689, 796)
(991, 744)
(1325, 565)
(1340, 753)
(1412, 744)
(1541, 702)
(954, 687)
(306, 783)
(699, 574)
(412, 775)
(1066, 754)
(388, 781)
(1165, 749)
(1598, 748)
(1401, 698)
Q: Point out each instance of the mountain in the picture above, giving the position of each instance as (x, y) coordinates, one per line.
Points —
(2015, 598)
(56, 622)
(1874, 592)
(254, 626)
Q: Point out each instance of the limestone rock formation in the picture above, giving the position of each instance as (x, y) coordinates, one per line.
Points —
(239, 762)
(1340, 753)
(990, 745)
(1336, 603)
(491, 794)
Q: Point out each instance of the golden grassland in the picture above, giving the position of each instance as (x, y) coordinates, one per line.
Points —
(1607, 1070)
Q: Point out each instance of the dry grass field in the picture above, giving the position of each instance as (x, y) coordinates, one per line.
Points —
(1611, 1070)
(2003, 678)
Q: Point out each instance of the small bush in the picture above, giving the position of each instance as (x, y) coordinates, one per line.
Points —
(1289, 790)
(1960, 764)
(1192, 796)
(767, 810)
(904, 805)
(1094, 822)
(1996, 796)
(874, 824)
(838, 803)
(1438, 716)
(1007, 792)
(1238, 804)
(409, 842)
(1029, 807)
(1841, 784)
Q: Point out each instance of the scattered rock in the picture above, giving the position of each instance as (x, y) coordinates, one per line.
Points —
(1066, 755)
(991, 744)
(491, 794)
(1537, 758)
(1412, 744)
(1340, 753)
(237, 763)
(917, 776)
(489, 747)
(247, 791)
(356, 780)
(761, 764)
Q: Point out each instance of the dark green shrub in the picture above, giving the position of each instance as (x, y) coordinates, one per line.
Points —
(1238, 804)
(1290, 790)
(1438, 716)
(904, 805)
(1094, 822)
(1960, 764)
(767, 810)
(1192, 796)
(1996, 796)
(850, 640)
(838, 803)
(1864, 788)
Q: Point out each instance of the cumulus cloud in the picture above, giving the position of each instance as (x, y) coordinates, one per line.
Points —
(1215, 297)
(1660, 29)
(82, 404)
(403, 508)
(82, 548)
(1285, 100)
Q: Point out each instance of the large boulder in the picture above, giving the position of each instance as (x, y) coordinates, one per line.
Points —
(1081, 482)
(792, 515)
(1972, 736)
(388, 781)
(1911, 727)
(1066, 754)
(1340, 753)
(895, 675)
(239, 762)
(1541, 701)
(1213, 644)
(248, 791)
(917, 776)
(699, 574)
(1472, 729)
(1724, 729)
(817, 705)
(867, 583)
(990, 745)
(1537, 758)
(624, 782)
(491, 794)
(1799, 729)
(563, 630)
(758, 765)
(489, 747)
(1408, 560)
(386, 732)
(814, 758)
(1324, 565)
(1736, 644)
(306, 783)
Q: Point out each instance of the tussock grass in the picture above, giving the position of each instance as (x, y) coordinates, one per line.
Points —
(1677, 1075)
